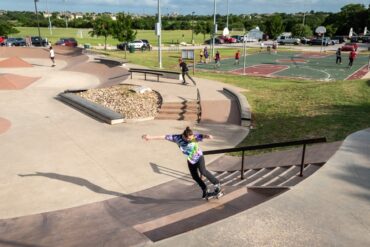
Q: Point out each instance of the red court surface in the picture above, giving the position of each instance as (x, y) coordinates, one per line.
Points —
(262, 69)
(4, 125)
(359, 73)
(15, 82)
(14, 62)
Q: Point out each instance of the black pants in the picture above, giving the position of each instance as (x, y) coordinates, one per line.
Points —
(339, 60)
(350, 62)
(187, 74)
(200, 165)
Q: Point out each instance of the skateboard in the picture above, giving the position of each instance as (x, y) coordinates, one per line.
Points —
(213, 195)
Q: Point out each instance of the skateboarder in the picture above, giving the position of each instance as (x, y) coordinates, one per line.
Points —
(52, 56)
(184, 71)
(188, 144)
(237, 57)
(338, 56)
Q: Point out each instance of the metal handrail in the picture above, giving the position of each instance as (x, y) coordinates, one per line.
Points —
(266, 146)
(200, 106)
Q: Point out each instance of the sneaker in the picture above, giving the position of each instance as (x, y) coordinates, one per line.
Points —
(205, 193)
(217, 188)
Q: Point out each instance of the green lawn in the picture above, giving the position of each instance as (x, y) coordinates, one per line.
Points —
(82, 35)
(287, 109)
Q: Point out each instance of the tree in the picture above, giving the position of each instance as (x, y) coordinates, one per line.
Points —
(203, 27)
(122, 29)
(6, 28)
(300, 30)
(102, 26)
(274, 26)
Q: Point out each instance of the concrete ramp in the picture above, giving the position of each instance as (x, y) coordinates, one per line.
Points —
(15, 82)
(14, 62)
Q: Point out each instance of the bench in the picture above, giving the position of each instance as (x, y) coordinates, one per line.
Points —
(145, 72)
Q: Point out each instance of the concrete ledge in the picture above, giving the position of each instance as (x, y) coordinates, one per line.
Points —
(103, 113)
(245, 109)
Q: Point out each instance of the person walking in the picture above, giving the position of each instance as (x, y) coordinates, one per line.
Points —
(184, 71)
(338, 56)
(206, 55)
(352, 56)
(237, 57)
(52, 55)
(217, 60)
(201, 54)
(188, 144)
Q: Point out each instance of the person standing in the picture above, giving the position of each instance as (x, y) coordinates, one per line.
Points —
(237, 57)
(52, 55)
(339, 56)
(352, 56)
(217, 60)
(188, 144)
(184, 71)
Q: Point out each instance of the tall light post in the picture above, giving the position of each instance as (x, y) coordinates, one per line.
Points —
(215, 28)
(245, 53)
(38, 24)
(159, 24)
(227, 17)
(47, 10)
(65, 13)
(192, 27)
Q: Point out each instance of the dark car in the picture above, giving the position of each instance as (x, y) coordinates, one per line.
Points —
(71, 42)
(2, 40)
(305, 40)
(122, 46)
(238, 38)
(146, 43)
(38, 41)
(217, 41)
(341, 39)
(15, 42)
(320, 41)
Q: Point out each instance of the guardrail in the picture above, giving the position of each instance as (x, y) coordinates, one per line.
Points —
(266, 146)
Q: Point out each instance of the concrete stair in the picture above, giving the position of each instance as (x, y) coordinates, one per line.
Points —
(186, 110)
(268, 177)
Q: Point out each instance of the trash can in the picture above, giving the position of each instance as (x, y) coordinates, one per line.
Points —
(87, 46)
(131, 48)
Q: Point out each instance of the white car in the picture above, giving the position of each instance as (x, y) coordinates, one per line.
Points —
(137, 44)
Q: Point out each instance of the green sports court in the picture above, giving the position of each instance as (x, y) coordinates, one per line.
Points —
(303, 65)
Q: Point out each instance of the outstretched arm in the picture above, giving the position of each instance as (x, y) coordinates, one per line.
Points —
(205, 136)
(148, 137)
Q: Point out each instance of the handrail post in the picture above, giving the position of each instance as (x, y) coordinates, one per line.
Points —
(242, 169)
(302, 162)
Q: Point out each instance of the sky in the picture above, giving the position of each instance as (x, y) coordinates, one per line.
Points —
(200, 7)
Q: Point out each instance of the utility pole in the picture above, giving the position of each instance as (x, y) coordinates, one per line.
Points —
(47, 10)
(38, 24)
(65, 13)
(227, 17)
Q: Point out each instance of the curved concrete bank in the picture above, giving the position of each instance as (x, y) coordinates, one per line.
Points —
(330, 208)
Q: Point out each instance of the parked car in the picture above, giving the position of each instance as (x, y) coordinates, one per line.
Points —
(341, 39)
(349, 47)
(146, 43)
(137, 44)
(305, 40)
(122, 46)
(15, 42)
(227, 39)
(38, 41)
(319, 41)
(287, 40)
(217, 41)
(238, 38)
(71, 42)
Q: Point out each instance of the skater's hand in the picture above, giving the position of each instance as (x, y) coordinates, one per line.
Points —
(208, 136)
(145, 137)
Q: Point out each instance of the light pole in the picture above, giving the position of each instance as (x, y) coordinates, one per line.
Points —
(215, 28)
(47, 10)
(38, 24)
(244, 52)
(227, 17)
(192, 27)
(159, 35)
(65, 13)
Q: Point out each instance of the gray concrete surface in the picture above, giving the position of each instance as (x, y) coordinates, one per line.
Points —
(48, 137)
(330, 208)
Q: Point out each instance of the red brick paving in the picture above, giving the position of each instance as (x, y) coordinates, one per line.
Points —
(359, 73)
(291, 60)
(14, 62)
(4, 125)
(15, 82)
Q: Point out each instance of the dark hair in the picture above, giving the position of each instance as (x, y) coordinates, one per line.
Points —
(187, 132)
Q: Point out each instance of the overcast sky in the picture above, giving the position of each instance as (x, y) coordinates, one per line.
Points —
(202, 7)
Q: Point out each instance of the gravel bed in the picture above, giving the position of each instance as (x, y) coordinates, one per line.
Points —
(124, 100)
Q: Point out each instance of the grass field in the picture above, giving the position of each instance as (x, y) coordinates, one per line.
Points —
(82, 35)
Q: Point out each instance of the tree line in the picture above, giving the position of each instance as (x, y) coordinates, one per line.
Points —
(356, 16)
